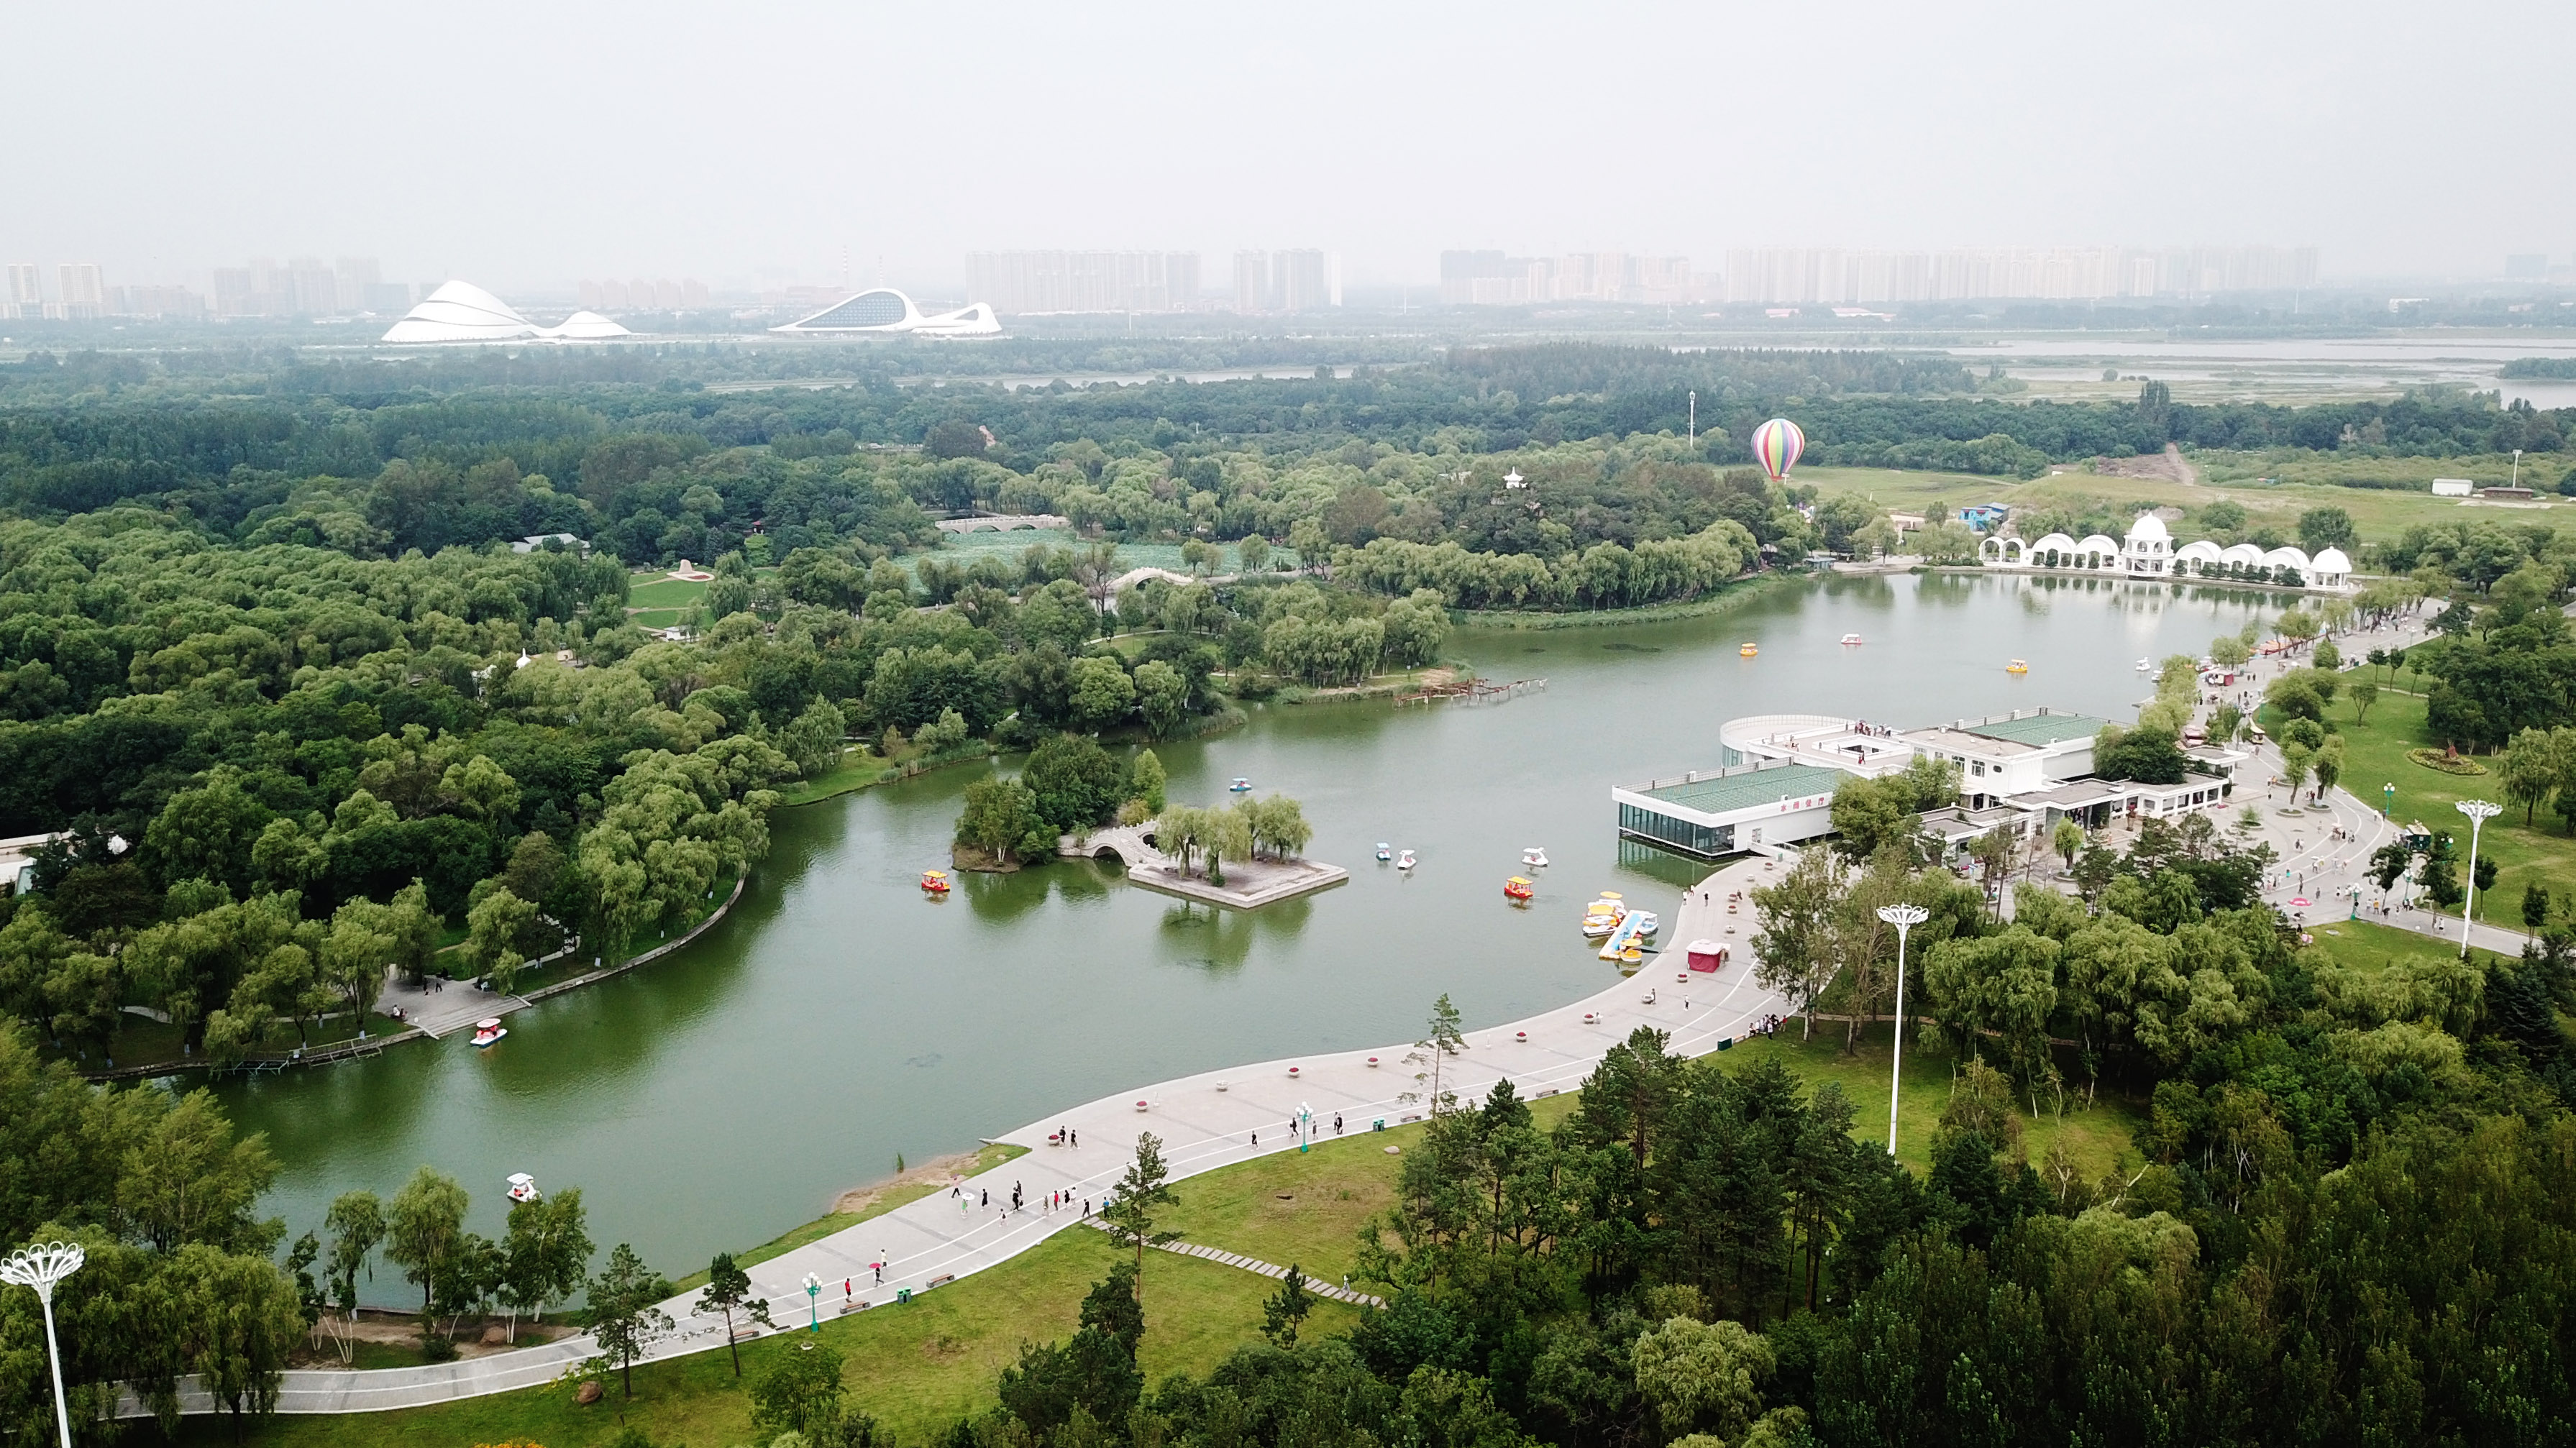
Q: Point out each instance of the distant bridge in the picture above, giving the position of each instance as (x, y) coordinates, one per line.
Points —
(1127, 843)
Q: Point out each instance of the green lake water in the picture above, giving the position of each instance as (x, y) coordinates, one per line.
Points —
(837, 1018)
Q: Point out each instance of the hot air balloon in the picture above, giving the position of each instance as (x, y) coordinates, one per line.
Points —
(1776, 445)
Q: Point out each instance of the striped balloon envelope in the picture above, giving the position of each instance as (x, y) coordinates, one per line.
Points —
(1776, 445)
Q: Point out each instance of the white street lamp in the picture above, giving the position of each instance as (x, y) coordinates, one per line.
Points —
(1904, 918)
(2479, 812)
(40, 1267)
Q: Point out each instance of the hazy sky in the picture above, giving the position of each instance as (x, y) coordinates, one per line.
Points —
(525, 145)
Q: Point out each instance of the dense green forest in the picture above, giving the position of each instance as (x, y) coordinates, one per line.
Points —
(79, 433)
(283, 767)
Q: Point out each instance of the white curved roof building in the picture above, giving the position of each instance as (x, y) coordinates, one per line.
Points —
(2149, 547)
(2199, 553)
(2242, 555)
(883, 309)
(2286, 556)
(464, 312)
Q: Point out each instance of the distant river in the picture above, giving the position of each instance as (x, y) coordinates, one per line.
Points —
(837, 1018)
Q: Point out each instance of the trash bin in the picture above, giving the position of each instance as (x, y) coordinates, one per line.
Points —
(1378, 1125)
(903, 1294)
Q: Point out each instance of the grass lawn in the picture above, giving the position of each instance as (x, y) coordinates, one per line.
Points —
(663, 592)
(857, 770)
(966, 548)
(1306, 1208)
(2375, 755)
(2360, 945)
(916, 1367)
(2380, 514)
(2096, 1137)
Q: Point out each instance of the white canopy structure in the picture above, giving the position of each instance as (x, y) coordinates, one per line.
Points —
(2150, 553)
(883, 309)
(464, 312)
(2149, 548)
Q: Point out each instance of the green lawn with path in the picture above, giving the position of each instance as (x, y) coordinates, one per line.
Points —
(2369, 948)
(918, 1367)
(665, 592)
(2375, 755)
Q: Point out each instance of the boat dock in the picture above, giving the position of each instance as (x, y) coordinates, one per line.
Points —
(1471, 691)
(1624, 934)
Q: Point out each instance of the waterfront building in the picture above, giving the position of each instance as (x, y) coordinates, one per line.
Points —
(463, 312)
(2020, 772)
(2148, 552)
(1729, 811)
(885, 310)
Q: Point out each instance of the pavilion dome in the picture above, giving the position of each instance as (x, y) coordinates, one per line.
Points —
(2148, 529)
(584, 327)
(461, 312)
(2332, 560)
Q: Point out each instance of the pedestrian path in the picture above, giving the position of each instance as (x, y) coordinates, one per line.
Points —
(1206, 1121)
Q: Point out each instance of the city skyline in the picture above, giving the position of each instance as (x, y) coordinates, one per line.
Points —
(1412, 135)
(1280, 281)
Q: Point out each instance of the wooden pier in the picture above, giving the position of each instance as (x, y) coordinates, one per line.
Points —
(1470, 691)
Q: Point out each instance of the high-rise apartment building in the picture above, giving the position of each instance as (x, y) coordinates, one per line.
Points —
(2065, 273)
(1489, 278)
(26, 293)
(83, 289)
(356, 274)
(311, 288)
(1251, 282)
(659, 294)
(1304, 281)
(1084, 281)
(165, 302)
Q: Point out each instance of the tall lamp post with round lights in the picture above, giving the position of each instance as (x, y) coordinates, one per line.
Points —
(1904, 918)
(2479, 812)
(40, 1267)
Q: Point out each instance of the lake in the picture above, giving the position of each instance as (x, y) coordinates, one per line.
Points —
(837, 1018)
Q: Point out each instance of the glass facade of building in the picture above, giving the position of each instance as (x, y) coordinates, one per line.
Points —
(1690, 837)
(868, 309)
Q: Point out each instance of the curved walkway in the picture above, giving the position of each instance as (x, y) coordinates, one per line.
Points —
(1205, 1121)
